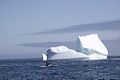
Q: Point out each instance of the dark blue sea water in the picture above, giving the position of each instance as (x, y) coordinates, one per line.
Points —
(30, 69)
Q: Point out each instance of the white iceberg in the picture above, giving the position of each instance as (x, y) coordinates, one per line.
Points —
(62, 52)
(92, 46)
(89, 47)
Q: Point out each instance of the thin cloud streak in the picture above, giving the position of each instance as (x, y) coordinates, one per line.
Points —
(48, 44)
(111, 25)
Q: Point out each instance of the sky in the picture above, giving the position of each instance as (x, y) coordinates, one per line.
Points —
(29, 27)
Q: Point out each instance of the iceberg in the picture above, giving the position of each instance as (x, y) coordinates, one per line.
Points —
(63, 52)
(92, 46)
(89, 47)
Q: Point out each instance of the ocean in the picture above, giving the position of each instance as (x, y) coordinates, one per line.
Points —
(31, 69)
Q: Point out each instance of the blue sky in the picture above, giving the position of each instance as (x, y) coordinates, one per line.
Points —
(60, 22)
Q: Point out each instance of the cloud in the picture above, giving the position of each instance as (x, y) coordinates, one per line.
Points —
(48, 44)
(111, 25)
(113, 46)
(107, 29)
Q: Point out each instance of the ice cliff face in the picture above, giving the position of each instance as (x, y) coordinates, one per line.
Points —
(92, 46)
(89, 47)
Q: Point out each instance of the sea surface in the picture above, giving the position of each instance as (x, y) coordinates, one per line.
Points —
(31, 69)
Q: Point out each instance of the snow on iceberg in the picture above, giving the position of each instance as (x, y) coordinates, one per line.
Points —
(62, 52)
(89, 47)
(92, 46)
